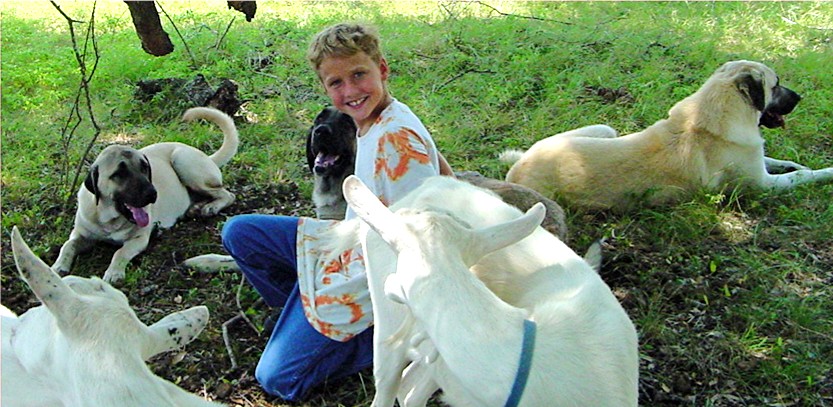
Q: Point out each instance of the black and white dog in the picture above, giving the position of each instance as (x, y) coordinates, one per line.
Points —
(331, 155)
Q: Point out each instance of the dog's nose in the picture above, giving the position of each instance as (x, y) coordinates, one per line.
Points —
(784, 100)
(150, 195)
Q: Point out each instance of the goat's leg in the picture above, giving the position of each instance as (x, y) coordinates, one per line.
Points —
(417, 385)
(387, 376)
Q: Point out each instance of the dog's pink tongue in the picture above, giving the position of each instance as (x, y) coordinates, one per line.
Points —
(140, 216)
(322, 160)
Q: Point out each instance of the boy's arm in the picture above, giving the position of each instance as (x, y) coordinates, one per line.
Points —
(445, 168)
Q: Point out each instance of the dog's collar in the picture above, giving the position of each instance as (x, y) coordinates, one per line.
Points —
(522, 375)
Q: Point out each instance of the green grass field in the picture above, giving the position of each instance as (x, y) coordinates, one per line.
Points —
(731, 294)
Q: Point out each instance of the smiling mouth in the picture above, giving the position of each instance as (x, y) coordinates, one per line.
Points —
(355, 103)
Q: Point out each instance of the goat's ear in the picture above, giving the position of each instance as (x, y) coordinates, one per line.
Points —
(496, 237)
(175, 331)
(371, 210)
(45, 283)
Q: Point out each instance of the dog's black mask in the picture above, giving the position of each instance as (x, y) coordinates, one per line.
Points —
(783, 102)
(135, 189)
(331, 143)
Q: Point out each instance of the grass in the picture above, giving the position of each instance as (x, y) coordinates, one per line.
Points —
(731, 294)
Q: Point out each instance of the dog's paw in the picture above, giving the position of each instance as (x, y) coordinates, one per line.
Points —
(113, 276)
(60, 269)
(211, 263)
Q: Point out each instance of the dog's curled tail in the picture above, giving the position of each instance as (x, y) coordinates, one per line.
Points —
(510, 156)
(230, 137)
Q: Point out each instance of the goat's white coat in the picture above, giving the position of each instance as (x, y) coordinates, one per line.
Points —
(586, 352)
(85, 346)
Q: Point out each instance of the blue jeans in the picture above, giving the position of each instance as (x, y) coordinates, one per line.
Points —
(296, 357)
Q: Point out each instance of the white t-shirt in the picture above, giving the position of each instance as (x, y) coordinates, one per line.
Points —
(392, 158)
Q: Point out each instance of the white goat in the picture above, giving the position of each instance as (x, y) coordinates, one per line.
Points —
(586, 352)
(85, 346)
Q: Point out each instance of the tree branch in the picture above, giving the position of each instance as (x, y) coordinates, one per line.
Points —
(75, 118)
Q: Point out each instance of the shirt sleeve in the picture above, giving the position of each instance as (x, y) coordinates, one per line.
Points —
(403, 161)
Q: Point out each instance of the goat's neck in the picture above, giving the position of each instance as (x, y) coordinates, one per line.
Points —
(465, 321)
(125, 380)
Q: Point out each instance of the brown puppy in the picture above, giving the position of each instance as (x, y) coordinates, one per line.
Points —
(710, 140)
(129, 191)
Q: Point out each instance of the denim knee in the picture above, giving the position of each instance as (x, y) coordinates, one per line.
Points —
(236, 229)
(286, 384)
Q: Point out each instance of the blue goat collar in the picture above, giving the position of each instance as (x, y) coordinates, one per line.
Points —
(522, 375)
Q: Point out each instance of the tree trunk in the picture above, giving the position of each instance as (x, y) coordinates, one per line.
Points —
(155, 40)
(246, 7)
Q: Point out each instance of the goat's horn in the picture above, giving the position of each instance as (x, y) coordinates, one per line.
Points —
(45, 283)
(495, 237)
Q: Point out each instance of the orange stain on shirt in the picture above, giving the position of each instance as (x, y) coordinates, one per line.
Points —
(346, 300)
(401, 143)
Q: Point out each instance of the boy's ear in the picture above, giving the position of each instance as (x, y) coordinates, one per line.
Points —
(383, 68)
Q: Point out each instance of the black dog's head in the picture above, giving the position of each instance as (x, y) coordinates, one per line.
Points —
(331, 143)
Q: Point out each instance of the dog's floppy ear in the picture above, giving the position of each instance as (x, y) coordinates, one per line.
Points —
(91, 183)
(751, 86)
(150, 169)
(310, 154)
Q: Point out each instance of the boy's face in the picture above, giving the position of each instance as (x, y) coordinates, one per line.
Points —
(355, 84)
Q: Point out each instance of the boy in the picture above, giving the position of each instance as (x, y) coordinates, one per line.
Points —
(324, 330)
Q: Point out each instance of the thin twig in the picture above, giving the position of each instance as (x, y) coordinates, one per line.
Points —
(240, 308)
(187, 49)
(267, 75)
(227, 341)
(222, 37)
(460, 75)
(812, 331)
(71, 20)
(519, 16)
(240, 315)
(791, 22)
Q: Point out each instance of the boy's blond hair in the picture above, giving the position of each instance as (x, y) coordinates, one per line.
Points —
(344, 40)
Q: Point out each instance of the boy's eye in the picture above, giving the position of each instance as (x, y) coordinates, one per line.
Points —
(334, 83)
(359, 74)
